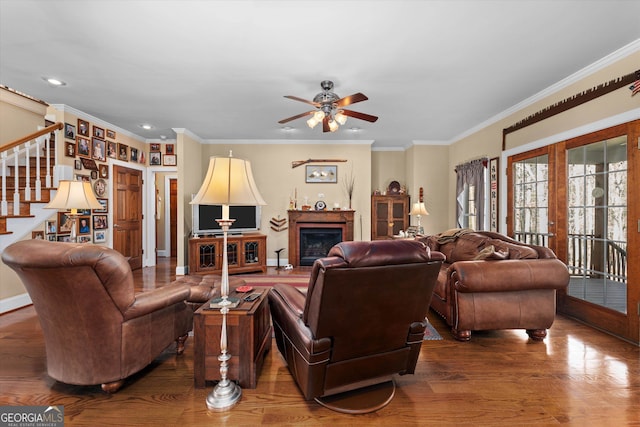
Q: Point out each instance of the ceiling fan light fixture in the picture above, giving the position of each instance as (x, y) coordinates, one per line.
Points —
(318, 115)
(312, 122)
(333, 126)
(341, 118)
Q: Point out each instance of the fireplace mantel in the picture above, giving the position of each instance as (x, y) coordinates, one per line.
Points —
(316, 219)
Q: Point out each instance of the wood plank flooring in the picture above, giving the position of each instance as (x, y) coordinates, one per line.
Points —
(577, 377)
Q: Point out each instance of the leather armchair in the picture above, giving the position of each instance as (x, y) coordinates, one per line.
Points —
(361, 321)
(96, 329)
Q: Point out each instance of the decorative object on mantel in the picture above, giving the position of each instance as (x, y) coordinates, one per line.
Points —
(349, 185)
(297, 163)
(329, 109)
(573, 101)
(278, 224)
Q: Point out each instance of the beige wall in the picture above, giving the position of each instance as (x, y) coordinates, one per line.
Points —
(20, 116)
(387, 166)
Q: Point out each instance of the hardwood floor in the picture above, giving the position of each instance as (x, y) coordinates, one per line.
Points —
(577, 376)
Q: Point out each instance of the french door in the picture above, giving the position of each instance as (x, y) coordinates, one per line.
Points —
(581, 198)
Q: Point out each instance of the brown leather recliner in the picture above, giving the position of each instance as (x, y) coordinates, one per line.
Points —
(361, 321)
(96, 330)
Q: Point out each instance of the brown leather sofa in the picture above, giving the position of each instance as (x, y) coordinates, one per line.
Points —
(490, 281)
(361, 321)
(96, 329)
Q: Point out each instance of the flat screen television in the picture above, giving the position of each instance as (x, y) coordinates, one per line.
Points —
(247, 218)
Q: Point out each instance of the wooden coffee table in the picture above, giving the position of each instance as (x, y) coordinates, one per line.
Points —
(248, 342)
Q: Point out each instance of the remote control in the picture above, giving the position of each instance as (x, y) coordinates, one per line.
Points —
(252, 297)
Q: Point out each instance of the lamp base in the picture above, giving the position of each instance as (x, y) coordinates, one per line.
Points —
(224, 396)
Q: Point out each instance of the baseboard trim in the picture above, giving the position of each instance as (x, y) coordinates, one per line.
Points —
(14, 303)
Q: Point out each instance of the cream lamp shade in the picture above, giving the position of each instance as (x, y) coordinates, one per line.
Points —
(419, 209)
(74, 195)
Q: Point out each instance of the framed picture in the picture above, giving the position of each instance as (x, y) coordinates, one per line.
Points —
(100, 222)
(100, 187)
(84, 147)
(141, 158)
(99, 236)
(83, 127)
(104, 171)
(494, 174)
(37, 235)
(77, 164)
(123, 152)
(84, 225)
(111, 134)
(168, 149)
(105, 206)
(98, 132)
(112, 149)
(80, 177)
(155, 158)
(170, 160)
(69, 131)
(94, 174)
(52, 238)
(64, 239)
(134, 154)
(51, 227)
(154, 147)
(69, 149)
(321, 174)
(84, 239)
(99, 149)
(89, 164)
(65, 223)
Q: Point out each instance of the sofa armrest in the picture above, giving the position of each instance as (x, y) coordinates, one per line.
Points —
(150, 301)
(508, 275)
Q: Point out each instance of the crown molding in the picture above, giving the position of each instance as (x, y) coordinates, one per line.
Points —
(88, 117)
(187, 132)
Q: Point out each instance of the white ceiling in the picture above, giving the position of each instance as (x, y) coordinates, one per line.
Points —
(431, 69)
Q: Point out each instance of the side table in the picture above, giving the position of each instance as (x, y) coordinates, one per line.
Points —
(248, 337)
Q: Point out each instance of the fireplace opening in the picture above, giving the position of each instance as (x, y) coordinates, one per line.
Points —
(316, 242)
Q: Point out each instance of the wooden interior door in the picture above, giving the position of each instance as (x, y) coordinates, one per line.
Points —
(127, 214)
(173, 215)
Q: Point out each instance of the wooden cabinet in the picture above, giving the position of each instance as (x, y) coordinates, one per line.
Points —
(245, 253)
(389, 215)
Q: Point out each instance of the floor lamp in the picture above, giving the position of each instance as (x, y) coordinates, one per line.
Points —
(74, 196)
(229, 182)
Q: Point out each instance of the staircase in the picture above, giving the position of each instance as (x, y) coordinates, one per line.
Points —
(31, 162)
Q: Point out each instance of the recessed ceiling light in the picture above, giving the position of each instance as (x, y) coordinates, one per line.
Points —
(288, 129)
(54, 82)
(146, 126)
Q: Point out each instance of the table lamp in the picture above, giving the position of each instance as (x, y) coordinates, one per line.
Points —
(419, 209)
(74, 196)
(229, 182)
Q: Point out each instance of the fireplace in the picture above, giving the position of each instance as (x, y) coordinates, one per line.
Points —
(316, 242)
(322, 230)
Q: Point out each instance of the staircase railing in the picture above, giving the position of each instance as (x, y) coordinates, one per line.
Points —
(28, 145)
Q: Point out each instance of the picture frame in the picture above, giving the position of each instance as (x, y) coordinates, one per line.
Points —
(494, 189)
(169, 149)
(81, 177)
(37, 234)
(154, 147)
(141, 158)
(51, 227)
(98, 149)
(112, 149)
(89, 164)
(105, 206)
(64, 238)
(111, 134)
(98, 132)
(103, 171)
(123, 152)
(65, 223)
(134, 154)
(77, 164)
(83, 127)
(169, 160)
(83, 147)
(100, 222)
(99, 236)
(69, 131)
(94, 174)
(321, 174)
(84, 239)
(84, 225)
(52, 237)
(155, 158)
(100, 188)
(70, 149)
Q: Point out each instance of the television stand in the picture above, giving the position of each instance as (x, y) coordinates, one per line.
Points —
(246, 253)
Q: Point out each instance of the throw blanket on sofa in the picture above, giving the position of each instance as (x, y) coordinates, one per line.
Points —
(451, 235)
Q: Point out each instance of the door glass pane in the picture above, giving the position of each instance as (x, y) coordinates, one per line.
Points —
(531, 200)
(597, 223)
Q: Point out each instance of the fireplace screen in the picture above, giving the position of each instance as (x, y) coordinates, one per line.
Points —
(316, 242)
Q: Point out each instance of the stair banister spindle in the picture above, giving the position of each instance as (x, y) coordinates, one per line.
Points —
(47, 144)
(27, 171)
(38, 178)
(4, 209)
(16, 192)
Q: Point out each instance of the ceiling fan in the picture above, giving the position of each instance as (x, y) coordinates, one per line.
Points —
(329, 109)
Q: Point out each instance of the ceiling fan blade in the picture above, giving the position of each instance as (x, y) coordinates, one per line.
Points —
(361, 116)
(325, 125)
(308, 113)
(295, 98)
(351, 99)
